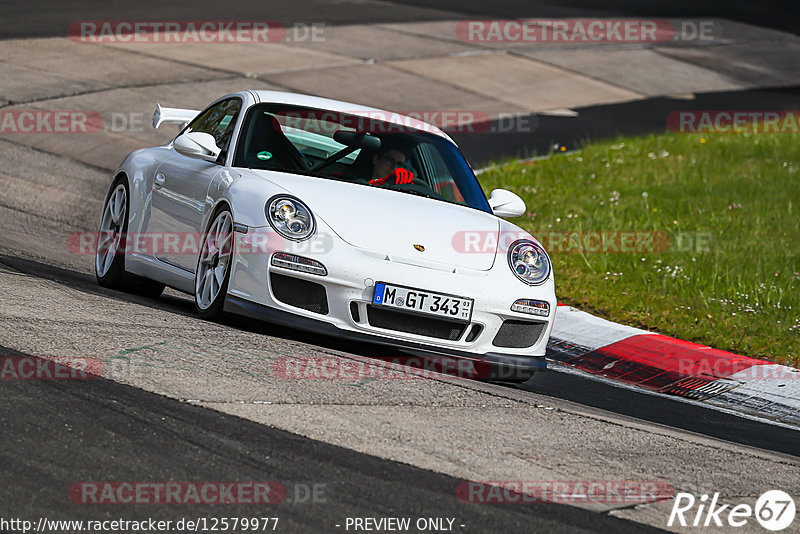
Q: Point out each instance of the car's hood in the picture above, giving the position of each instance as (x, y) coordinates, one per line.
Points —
(391, 223)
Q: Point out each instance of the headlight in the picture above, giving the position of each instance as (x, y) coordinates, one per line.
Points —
(529, 262)
(290, 217)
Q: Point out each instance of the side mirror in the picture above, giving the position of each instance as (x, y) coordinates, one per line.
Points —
(504, 203)
(198, 145)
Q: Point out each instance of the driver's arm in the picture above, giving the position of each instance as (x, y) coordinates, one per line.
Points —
(397, 177)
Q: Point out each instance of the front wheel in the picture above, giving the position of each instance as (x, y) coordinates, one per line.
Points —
(214, 266)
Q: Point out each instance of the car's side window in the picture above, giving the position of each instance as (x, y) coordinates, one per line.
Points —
(439, 174)
(219, 121)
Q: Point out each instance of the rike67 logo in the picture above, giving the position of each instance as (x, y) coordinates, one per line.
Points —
(774, 510)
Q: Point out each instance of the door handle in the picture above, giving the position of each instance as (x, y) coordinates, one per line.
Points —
(159, 180)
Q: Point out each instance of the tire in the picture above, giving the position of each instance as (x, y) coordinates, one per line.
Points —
(214, 266)
(109, 262)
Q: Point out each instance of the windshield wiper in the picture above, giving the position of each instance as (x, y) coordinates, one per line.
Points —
(417, 193)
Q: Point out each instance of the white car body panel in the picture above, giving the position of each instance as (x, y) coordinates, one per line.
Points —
(373, 219)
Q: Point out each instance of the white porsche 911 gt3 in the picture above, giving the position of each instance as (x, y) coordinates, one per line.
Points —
(331, 217)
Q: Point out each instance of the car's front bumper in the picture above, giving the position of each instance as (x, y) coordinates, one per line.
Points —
(490, 366)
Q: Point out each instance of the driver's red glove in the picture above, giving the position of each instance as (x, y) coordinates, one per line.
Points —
(401, 176)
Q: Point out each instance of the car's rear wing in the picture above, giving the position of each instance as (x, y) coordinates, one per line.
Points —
(172, 116)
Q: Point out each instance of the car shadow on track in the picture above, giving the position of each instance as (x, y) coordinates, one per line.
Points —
(175, 302)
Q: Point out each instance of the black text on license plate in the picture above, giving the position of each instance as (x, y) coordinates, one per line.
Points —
(428, 302)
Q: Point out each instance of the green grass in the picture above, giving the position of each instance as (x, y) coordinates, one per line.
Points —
(727, 203)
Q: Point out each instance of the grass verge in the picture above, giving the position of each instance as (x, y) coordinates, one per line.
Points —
(694, 236)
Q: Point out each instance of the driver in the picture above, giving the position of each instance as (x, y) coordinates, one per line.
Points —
(386, 160)
(387, 164)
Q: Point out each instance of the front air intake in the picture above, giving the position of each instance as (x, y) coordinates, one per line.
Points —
(515, 334)
(299, 293)
(414, 324)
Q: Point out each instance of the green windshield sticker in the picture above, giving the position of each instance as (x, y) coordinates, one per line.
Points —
(264, 155)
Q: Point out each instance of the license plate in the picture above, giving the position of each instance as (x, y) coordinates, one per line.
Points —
(420, 301)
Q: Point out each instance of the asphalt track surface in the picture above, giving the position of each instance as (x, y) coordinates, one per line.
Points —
(114, 429)
(55, 433)
(534, 134)
(47, 18)
(547, 133)
(58, 432)
(574, 387)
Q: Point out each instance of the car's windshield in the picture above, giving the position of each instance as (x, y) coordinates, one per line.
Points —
(355, 149)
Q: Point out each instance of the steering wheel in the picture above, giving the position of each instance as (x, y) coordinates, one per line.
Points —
(417, 187)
